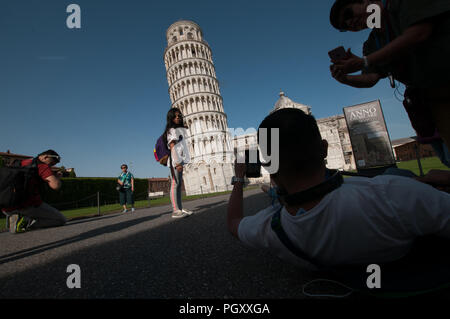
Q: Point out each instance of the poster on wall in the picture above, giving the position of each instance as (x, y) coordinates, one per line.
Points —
(368, 135)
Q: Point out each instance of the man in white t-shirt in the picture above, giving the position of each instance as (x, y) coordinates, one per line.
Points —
(364, 221)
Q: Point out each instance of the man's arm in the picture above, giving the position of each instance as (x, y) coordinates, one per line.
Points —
(358, 81)
(53, 182)
(410, 38)
(132, 184)
(439, 179)
(235, 211)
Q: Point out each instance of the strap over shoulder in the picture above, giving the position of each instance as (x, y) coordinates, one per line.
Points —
(318, 191)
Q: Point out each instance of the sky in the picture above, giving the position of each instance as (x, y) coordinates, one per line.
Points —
(99, 95)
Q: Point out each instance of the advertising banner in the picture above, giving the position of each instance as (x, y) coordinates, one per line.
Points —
(368, 135)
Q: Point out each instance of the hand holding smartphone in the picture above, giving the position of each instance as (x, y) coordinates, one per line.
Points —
(337, 54)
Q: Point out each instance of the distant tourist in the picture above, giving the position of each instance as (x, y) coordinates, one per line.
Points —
(32, 212)
(126, 191)
(321, 220)
(174, 121)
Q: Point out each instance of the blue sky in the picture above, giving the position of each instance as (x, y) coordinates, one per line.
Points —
(99, 95)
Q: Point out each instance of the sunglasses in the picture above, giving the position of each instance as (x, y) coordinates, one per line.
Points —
(57, 158)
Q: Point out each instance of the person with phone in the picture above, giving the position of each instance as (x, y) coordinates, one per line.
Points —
(332, 222)
(415, 105)
(413, 33)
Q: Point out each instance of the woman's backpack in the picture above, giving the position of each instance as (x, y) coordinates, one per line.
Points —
(161, 152)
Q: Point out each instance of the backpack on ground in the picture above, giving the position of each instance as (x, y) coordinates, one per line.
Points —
(161, 152)
(14, 183)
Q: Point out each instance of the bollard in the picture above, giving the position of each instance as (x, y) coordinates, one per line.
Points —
(416, 148)
(98, 203)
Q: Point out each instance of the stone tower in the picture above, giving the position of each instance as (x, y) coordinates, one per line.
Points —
(194, 89)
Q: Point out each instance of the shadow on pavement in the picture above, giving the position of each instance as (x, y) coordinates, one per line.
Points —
(86, 235)
(192, 257)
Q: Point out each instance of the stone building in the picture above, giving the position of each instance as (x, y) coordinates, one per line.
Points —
(11, 159)
(194, 89)
(156, 185)
(340, 153)
(407, 149)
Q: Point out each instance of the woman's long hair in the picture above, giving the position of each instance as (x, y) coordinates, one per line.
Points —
(170, 124)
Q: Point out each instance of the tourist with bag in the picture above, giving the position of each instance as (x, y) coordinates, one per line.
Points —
(20, 198)
(126, 188)
(172, 139)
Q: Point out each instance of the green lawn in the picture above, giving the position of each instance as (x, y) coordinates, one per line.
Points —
(108, 209)
(427, 164)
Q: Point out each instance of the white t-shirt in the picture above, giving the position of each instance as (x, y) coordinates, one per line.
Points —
(366, 220)
(178, 152)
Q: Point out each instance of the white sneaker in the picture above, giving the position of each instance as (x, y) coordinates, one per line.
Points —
(179, 214)
(125, 210)
(132, 210)
(187, 212)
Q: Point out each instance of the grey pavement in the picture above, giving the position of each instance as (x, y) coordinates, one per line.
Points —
(147, 254)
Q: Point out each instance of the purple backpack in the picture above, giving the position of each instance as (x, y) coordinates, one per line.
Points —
(161, 151)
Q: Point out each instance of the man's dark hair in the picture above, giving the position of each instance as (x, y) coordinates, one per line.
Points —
(52, 153)
(301, 147)
(49, 152)
(336, 9)
(169, 122)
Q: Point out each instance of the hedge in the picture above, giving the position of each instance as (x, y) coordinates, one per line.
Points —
(81, 192)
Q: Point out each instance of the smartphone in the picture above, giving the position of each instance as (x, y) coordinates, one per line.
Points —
(253, 169)
(338, 54)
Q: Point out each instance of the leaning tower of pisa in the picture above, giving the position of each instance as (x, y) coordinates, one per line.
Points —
(194, 89)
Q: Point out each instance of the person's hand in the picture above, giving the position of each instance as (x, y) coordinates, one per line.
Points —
(179, 168)
(338, 75)
(437, 178)
(240, 169)
(351, 64)
(265, 188)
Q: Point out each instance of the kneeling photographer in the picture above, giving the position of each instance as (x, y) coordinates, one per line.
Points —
(322, 221)
(28, 211)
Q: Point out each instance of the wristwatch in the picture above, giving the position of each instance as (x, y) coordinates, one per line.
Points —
(366, 63)
(235, 180)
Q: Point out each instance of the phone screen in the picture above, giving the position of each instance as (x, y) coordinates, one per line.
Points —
(337, 54)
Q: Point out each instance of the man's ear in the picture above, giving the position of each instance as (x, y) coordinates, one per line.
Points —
(324, 149)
